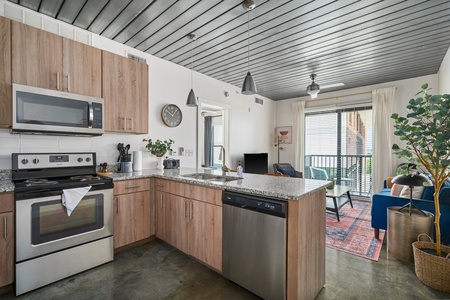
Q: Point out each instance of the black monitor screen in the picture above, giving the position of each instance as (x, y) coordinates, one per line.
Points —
(256, 163)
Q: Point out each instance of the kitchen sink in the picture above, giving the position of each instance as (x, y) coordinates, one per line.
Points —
(211, 177)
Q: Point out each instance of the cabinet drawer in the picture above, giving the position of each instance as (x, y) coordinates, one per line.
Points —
(131, 186)
(6, 202)
(208, 195)
(172, 187)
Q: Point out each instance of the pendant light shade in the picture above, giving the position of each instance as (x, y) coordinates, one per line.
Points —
(192, 99)
(249, 86)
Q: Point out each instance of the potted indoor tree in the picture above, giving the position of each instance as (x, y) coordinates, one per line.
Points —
(426, 133)
(159, 149)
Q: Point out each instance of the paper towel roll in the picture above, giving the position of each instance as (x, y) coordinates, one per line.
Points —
(137, 160)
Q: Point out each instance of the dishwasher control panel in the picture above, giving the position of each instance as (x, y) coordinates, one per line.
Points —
(256, 203)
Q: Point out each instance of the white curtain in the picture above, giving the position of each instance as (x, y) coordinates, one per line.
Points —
(298, 135)
(382, 106)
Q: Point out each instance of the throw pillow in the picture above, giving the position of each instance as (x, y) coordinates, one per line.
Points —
(389, 183)
(396, 189)
(288, 171)
(416, 192)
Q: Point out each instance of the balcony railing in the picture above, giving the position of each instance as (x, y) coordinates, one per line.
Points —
(351, 170)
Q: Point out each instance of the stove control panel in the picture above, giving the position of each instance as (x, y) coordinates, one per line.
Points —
(57, 160)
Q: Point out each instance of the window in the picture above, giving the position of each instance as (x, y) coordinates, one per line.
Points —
(340, 142)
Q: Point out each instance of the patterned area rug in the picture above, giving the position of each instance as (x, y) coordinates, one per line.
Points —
(354, 234)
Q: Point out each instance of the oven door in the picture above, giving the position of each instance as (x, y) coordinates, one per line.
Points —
(42, 224)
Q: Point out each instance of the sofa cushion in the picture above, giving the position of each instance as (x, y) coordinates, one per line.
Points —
(428, 193)
(417, 192)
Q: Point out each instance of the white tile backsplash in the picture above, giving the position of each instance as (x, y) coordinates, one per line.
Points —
(104, 146)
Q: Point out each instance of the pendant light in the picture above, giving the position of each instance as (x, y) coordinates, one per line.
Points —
(249, 86)
(192, 99)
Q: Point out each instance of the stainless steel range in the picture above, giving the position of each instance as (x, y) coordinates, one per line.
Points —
(52, 240)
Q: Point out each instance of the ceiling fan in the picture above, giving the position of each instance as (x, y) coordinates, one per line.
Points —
(313, 89)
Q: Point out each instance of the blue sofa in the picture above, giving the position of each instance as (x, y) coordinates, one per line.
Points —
(382, 200)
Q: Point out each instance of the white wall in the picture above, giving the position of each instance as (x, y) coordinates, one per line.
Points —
(406, 89)
(250, 123)
(444, 75)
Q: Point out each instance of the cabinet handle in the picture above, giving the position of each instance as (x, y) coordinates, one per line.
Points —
(124, 123)
(57, 80)
(131, 122)
(160, 185)
(6, 226)
(191, 210)
(132, 187)
(68, 82)
(117, 206)
(161, 200)
(185, 210)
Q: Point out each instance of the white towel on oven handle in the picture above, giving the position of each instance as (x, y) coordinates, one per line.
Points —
(71, 197)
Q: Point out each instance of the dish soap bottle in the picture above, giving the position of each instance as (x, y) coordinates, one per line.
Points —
(240, 170)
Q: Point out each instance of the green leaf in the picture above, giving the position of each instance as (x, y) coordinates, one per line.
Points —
(424, 86)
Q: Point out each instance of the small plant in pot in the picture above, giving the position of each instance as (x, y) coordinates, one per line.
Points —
(159, 149)
(426, 133)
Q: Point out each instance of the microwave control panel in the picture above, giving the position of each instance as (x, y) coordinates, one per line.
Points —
(98, 115)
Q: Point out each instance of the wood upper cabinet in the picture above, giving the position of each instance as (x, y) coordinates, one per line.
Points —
(133, 219)
(125, 90)
(5, 74)
(46, 60)
(6, 239)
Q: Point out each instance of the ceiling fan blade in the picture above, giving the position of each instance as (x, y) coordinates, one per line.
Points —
(328, 86)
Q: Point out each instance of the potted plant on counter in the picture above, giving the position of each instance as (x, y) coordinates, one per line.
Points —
(426, 133)
(159, 149)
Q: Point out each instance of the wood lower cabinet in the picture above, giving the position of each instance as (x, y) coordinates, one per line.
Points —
(133, 219)
(6, 239)
(125, 90)
(189, 218)
(46, 60)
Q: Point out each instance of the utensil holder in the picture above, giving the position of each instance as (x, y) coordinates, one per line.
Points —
(126, 167)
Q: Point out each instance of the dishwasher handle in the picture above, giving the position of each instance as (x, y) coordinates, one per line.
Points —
(263, 205)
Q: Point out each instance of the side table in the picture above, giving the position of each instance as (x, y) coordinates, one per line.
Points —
(403, 229)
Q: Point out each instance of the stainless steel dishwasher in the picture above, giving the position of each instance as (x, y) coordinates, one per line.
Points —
(254, 243)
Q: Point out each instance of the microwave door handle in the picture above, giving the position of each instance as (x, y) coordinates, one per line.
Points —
(91, 115)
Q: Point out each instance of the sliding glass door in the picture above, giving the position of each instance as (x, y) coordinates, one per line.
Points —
(338, 146)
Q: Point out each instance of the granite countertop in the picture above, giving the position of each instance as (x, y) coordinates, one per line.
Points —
(269, 186)
(6, 184)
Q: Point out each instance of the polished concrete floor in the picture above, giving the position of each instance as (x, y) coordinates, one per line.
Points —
(158, 271)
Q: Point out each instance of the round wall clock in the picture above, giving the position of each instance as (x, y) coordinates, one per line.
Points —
(171, 115)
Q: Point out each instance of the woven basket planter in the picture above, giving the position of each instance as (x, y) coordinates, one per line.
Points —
(432, 270)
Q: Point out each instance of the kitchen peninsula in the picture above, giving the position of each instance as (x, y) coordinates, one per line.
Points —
(305, 218)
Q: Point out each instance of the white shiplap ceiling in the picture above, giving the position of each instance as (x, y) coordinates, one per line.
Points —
(355, 42)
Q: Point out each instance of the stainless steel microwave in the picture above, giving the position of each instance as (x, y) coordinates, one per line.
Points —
(42, 111)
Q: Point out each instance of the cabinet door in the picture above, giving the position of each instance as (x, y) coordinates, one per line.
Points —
(125, 90)
(5, 74)
(160, 204)
(82, 69)
(132, 218)
(205, 233)
(176, 212)
(6, 249)
(36, 57)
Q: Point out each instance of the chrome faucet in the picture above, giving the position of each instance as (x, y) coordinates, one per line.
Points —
(222, 158)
